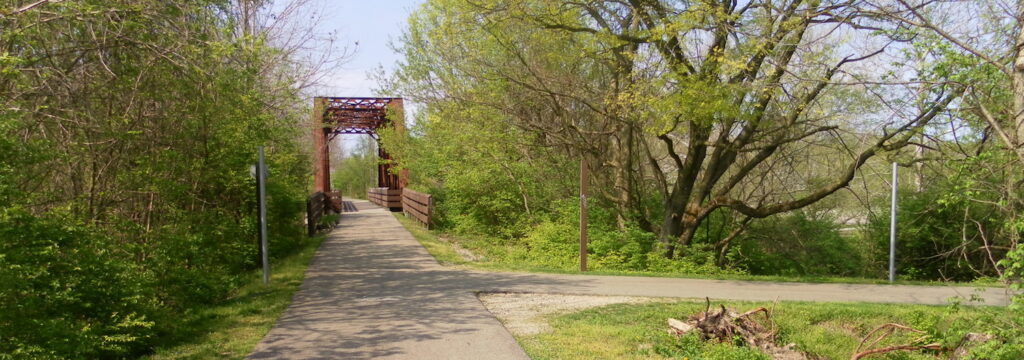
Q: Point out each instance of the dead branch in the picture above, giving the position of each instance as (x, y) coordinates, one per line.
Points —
(28, 7)
(932, 346)
(884, 331)
(725, 325)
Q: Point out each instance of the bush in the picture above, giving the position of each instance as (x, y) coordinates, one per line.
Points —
(550, 244)
(933, 240)
(193, 268)
(480, 206)
(799, 244)
(1013, 274)
(627, 249)
(1006, 326)
(554, 243)
(107, 230)
(65, 292)
(698, 260)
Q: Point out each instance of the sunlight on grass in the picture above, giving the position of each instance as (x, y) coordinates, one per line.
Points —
(231, 329)
(443, 248)
(638, 331)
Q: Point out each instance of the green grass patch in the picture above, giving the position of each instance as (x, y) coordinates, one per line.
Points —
(829, 330)
(231, 329)
(493, 255)
(442, 250)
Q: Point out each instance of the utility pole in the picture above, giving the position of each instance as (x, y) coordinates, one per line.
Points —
(892, 226)
(583, 214)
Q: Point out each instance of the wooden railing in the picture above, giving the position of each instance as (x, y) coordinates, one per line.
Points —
(318, 205)
(418, 206)
(333, 202)
(382, 196)
(315, 210)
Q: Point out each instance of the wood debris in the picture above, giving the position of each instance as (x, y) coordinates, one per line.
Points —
(759, 332)
(727, 325)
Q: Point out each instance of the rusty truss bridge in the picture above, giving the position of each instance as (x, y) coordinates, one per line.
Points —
(333, 116)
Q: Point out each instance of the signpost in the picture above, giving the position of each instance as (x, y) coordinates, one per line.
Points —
(583, 214)
(892, 227)
(260, 173)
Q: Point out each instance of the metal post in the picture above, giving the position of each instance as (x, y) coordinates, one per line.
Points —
(261, 180)
(892, 226)
(583, 214)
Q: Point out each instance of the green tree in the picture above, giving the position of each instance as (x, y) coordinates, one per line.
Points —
(126, 134)
(989, 57)
(680, 108)
(485, 177)
(357, 170)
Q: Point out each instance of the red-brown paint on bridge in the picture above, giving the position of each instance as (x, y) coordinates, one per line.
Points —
(355, 115)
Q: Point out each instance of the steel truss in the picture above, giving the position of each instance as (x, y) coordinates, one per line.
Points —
(333, 116)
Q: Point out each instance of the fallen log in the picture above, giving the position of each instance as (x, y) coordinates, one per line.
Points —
(677, 327)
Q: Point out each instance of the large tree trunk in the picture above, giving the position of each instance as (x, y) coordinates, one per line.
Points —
(679, 233)
(671, 228)
(675, 221)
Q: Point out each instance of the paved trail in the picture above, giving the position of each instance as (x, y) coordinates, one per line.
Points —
(373, 292)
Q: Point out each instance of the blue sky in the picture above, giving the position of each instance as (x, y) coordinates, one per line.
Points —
(373, 24)
(370, 24)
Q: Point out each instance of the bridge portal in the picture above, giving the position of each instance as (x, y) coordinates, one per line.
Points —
(333, 116)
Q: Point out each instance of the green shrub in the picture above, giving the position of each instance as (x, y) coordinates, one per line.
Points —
(192, 269)
(691, 346)
(470, 207)
(146, 208)
(933, 239)
(550, 244)
(1008, 332)
(799, 244)
(1005, 326)
(698, 260)
(554, 243)
(627, 249)
(1013, 274)
(66, 292)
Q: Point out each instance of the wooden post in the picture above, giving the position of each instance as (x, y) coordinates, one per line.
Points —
(583, 214)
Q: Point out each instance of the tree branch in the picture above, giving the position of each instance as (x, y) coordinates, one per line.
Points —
(882, 144)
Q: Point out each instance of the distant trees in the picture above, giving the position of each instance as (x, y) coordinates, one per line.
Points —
(686, 108)
(356, 169)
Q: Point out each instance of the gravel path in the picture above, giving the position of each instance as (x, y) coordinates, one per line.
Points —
(525, 313)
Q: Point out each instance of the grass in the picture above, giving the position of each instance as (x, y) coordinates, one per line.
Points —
(444, 248)
(231, 329)
(829, 330)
